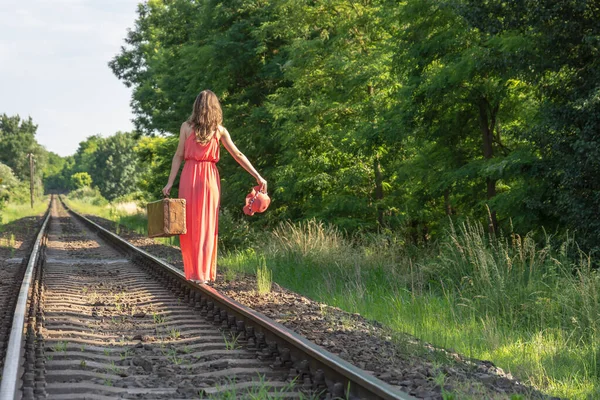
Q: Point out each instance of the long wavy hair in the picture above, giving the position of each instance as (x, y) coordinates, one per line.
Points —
(206, 116)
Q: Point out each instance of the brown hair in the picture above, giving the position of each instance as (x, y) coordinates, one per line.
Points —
(206, 116)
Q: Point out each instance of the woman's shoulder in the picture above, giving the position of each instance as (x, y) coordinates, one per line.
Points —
(186, 129)
(221, 131)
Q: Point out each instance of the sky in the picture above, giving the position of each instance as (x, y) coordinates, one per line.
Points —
(54, 58)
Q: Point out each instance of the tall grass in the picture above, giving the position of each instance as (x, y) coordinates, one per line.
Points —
(531, 309)
(264, 277)
(14, 211)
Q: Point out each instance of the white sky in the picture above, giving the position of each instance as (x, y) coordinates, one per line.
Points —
(53, 67)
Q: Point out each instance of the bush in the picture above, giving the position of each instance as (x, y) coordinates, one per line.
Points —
(234, 233)
(88, 195)
(81, 180)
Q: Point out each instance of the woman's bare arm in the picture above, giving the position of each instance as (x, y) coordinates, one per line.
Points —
(177, 159)
(241, 158)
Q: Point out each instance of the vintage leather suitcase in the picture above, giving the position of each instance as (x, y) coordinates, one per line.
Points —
(166, 217)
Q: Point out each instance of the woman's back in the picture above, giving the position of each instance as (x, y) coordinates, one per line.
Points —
(202, 151)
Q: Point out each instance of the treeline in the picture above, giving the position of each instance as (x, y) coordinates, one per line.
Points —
(380, 114)
(110, 165)
(17, 145)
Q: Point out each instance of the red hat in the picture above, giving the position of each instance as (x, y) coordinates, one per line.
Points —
(256, 201)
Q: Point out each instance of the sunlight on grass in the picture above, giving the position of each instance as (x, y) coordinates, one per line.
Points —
(12, 212)
(493, 299)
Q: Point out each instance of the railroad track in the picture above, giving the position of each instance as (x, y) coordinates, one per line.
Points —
(12, 271)
(98, 318)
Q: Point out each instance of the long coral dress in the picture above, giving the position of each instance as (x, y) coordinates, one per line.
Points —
(200, 187)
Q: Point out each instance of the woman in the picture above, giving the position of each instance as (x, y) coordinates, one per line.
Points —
(199, 185)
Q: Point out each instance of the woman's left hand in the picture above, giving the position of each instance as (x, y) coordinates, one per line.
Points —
(262, 183)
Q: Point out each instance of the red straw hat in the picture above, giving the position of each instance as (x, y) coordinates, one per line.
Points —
(256, 201)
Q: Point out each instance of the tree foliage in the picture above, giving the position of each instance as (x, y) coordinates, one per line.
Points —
(383, 115)
(81, 179)
(114, 167)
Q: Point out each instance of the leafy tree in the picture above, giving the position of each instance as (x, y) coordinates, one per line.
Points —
(17, 140)
(178, 48)
(464, 104)
(8, 181)
(155, 155)
(115, 169)
(561, 61)
(329, 112)
(380, 114)
(81, 179)
(53, 173)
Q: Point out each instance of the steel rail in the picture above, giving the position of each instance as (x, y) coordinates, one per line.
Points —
(340, 375)
(12, 363)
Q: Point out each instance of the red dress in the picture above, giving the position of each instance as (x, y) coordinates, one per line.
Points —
(200, 187)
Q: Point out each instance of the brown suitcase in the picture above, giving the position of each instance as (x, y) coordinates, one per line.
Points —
(166, 217)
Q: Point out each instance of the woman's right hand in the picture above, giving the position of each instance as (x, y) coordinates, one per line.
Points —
(167, 189)
(262, 183)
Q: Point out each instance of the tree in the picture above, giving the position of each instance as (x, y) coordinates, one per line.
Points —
(115, 169)
(17, 139)
(178, 48)
(459, 95)
(329, 113)
(8, 181)
(561, 61)
(52, 174)
(81, 179)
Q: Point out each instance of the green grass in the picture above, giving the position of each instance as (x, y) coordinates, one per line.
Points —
(529, 309)
(264, 277)
(12, 211)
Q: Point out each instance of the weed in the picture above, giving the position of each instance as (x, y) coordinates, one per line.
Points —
(83, 364)
(229, 274)
(264, 277)
(60, 346)
(158, 318)
(174, 333)
(231, 343)
(172, 356)
(262, 391)
(125, 354)
(113, 368)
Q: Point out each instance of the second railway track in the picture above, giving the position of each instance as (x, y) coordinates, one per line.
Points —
(106, 320)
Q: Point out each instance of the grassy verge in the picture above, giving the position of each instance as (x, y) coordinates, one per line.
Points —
(532, 311)
(12, 211)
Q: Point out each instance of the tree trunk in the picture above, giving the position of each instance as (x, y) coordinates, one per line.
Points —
(378, 189)
(447, 204)
(414, 233)
(487, 124)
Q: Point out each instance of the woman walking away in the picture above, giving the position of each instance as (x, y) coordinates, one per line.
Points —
(199, 185)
